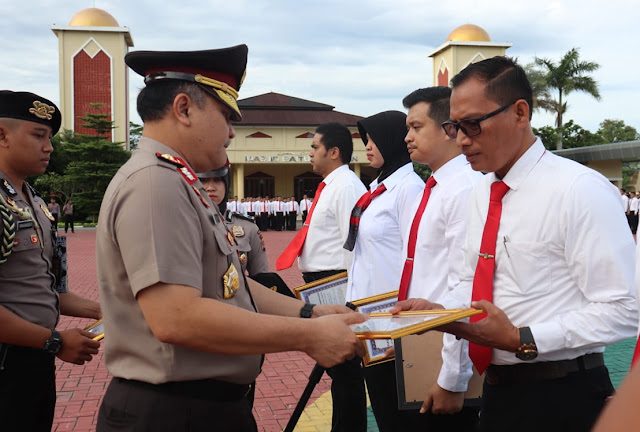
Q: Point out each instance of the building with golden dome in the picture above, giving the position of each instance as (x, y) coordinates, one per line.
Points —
(466, 44)
(91, 50)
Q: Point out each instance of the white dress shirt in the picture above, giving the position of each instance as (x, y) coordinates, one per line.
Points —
(377, 255)
(633, 205)
(625, 202)
(329, 226)
(564, 265)
(438, 256)
(232, 206)
(305, 205)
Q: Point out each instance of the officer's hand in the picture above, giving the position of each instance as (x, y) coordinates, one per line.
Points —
(329, 309)
(333, 342)
(414, 304)
(494, 331)
(441, 401)
(77, 346)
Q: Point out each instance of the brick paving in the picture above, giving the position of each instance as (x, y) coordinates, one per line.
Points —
(81, 388)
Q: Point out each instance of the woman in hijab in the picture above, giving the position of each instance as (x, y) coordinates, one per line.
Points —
(378, 221)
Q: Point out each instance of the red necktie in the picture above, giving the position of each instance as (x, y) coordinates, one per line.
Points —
(405, 280)
(483, 278)
(356, 214)
(285, 260)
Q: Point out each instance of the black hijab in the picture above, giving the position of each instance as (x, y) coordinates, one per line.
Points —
(387, 130)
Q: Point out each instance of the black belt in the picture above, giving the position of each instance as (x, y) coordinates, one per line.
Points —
(531, 372)
(208, 389)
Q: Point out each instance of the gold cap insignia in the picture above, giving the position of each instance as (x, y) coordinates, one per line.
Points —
(42, 110)
(231, 282)
(238, 231)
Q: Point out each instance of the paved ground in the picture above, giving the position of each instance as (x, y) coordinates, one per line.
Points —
(80, 388)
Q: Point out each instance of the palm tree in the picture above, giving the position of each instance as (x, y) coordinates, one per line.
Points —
(569, 75)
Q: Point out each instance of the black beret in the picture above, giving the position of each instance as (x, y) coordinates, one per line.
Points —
(218, 71)
(30, 107)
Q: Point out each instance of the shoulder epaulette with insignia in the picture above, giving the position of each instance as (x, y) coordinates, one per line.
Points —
(168, 158)
(7, 188)
(241, 216)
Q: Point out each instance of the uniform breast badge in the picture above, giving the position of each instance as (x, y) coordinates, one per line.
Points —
(47, 213)
(231, 282)
(237, 230)
(230, 238)
(243, 258)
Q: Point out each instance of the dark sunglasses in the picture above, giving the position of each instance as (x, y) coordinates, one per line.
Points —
(470, 127)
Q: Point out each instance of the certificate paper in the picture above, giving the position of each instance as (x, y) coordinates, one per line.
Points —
(375, 348)
(387, 326)
(97, 328)
(330, 290)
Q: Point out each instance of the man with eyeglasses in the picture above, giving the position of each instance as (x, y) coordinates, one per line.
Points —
(553, 273)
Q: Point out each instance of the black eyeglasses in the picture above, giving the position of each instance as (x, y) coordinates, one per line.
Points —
(470, 127)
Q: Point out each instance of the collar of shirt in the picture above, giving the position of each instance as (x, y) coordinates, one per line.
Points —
(334, 174)
(523, 166)
(394, 179)
(450, 169)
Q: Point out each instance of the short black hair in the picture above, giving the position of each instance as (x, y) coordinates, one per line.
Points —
(506, 80)
(438, 99)
(155, 99)
(337, 135)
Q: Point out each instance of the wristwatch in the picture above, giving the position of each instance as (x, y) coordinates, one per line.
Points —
(307, 310)
(527, 350)
(54, 343)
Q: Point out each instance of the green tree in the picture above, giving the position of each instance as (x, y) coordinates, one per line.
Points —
(135, 132)
(573, 135)
(568, 75)
(613, 130)
(422, 170)
(94, 161)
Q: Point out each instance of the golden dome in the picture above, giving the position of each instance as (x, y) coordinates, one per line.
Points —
(469, 32)
(93, 17)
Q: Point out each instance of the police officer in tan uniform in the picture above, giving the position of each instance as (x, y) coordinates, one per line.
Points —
(32, 283)
(253, 256)
(184, 339)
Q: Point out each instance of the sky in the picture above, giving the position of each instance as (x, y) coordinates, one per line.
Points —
(361, 56)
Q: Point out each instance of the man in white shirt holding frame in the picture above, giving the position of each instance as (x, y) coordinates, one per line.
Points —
(552, 271)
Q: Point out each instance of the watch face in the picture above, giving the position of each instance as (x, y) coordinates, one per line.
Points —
(527, 355)
(54, 344)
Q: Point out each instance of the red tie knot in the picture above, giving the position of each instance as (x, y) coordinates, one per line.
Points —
(431, 182)
(498, 190)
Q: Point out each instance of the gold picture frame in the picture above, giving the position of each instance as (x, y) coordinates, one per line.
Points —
(97, 328)
(376, 348)
(388, 326)
(329, 290)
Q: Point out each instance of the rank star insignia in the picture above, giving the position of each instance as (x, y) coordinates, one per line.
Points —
(231, 282)
(238, 231)
(7, 186)
(47, 213)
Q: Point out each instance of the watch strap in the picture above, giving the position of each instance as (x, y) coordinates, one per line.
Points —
(307, 310)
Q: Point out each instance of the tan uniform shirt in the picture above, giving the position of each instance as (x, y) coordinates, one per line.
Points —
(250, 243)
(154, 227)
(26, 278)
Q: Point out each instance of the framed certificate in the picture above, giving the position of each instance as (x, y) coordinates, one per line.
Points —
(330, 290)
(418, 364)
(387, 326)
(375, 348)
(97, 328)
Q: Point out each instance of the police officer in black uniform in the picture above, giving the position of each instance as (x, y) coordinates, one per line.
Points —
(32, 279)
